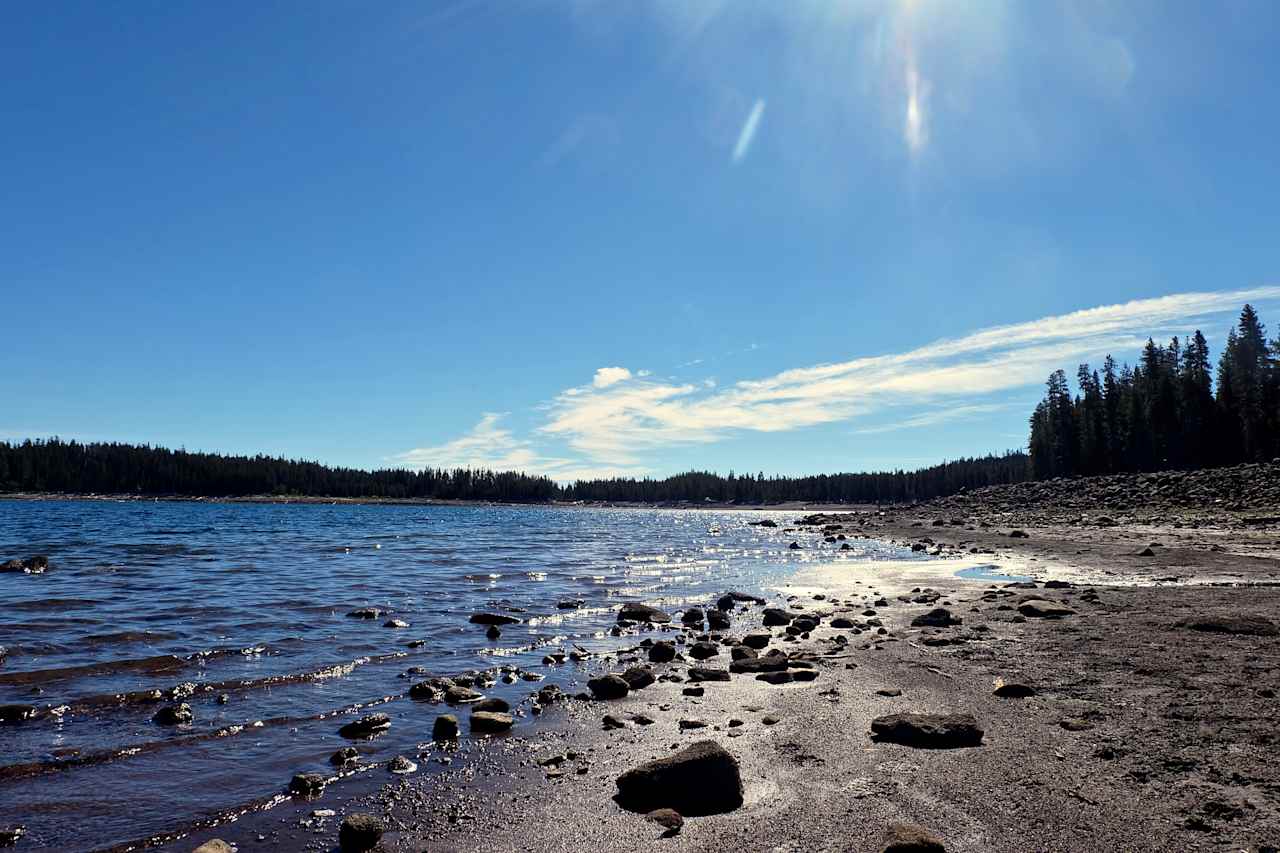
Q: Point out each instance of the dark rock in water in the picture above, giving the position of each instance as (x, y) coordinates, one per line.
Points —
(693, 616)
(426, 691)
(718, 620)
(307, 784)
(726, 601)
(775, 678)
(359, 832)
(458, 694)
(794, 546)
(662, 652)
(493, 633)
(492, 619)
(402, 765)
(702, 673)
(367, 726)
(31, 566)
(365, 613)
(668, 819)
(11, 835)
(445, 728)
(638, 677)
(703, 650)
(701, 779)
(1248, 625)
(905, 838)
(768, 522)
(490, 722)
(395, 623)
(569, 604)
(495, 704)
(609, 687)
(765, 663)
(743, 653)
(757, 641)
(775, 616)
(346, 755)
(939, 617)
(1040, 608)
(17, 713)
(928, 731)
(174, 715)
(636, 612)
(1014, 690)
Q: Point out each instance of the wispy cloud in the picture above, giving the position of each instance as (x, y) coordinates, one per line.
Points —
(613, 424)
(748, 132)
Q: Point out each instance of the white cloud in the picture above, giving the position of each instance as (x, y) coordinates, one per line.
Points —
(949, 414)
(748, 132)
(607, 376)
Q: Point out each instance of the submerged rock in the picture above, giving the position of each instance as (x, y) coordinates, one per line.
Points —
(636, 612)
(492, 619)
(701, 779)
(31, 566)
(307, 784)
(445, 728)
(359, 832)
(928, 731)
(402, 766)
(367, 726)
(494, 704)
(346, 755)
(174, 715)
(365, 613)
(17, 713)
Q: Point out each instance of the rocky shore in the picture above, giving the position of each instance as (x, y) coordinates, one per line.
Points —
(1106, 682)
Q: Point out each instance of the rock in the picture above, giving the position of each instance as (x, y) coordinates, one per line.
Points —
(794, 546)
(213, 845)
(365, 613)
(492, 619)
(457, 694)
(662, 652)
(445, 728)
(402, 766)
(1146, 552)
(804, 624)
(346, 755)
(174, 715)
(609, 687)
(686, 725)
(1247, 625)
(359, 832)
(495, 704)
(939, 617)
(702, 673)
(770, 720)
(1075, 724)
(31, 566)
(703, 650)
(774, 616)
(1040, 608)
(638, 677)
(395, 623)
(768, 522)
(490, 722)
(609, 722)
(1058, 585)
(10, 714)
(693, 616)
(905, 838)
(493, 633)
(842, 622)
(1014, 690)
(668, 819)
(776, 678)
(928, 731)
(636, 612)
(742, 653)
(694, 691)
(701, 779)
(570, 604)
(366, 727)
(307, 784)
(718, 620)
(890, 692)
(426, 691)
(1018, 534)
(765, 663)
(757, 641)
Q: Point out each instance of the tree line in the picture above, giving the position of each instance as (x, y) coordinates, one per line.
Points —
(1169, 411)
(71, 467)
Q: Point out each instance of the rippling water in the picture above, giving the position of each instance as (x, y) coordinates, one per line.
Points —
(250, 602)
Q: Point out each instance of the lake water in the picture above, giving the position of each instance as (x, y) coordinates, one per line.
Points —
(250, 602)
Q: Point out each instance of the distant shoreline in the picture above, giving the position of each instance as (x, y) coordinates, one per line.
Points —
(318, 500)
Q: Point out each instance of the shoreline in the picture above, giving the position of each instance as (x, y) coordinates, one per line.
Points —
(1143, 733)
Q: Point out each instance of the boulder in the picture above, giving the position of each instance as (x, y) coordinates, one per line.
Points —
(307, 784)
(774, 662)
(774, 616)
(1248, 625)
(609, 687)
(174, 715)
(939, 617)
(775, 678)
(359, 832)
(743, 653)
(718, 620)
(693, 616)
(703, 650)
(757, 641)
(928, 731)
(492, 619)
(457, 694)
(346, 755)
(490, 722)
(445, 728)
(662, 652)
(702, 673)
(365, 613)
(213, 845)
(638, 677)
(636, 612)
(494, 704)
(426, 691)
(1014, 690)
(10, 714)
(366, 727)
(701, 779)
(905, 838)
(1041, 608)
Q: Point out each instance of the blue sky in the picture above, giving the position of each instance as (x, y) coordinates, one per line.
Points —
(588, 237)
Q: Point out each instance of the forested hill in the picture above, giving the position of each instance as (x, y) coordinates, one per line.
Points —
(1168, 412)
(70, 467)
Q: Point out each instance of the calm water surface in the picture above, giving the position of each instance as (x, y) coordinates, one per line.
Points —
(250, 602)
